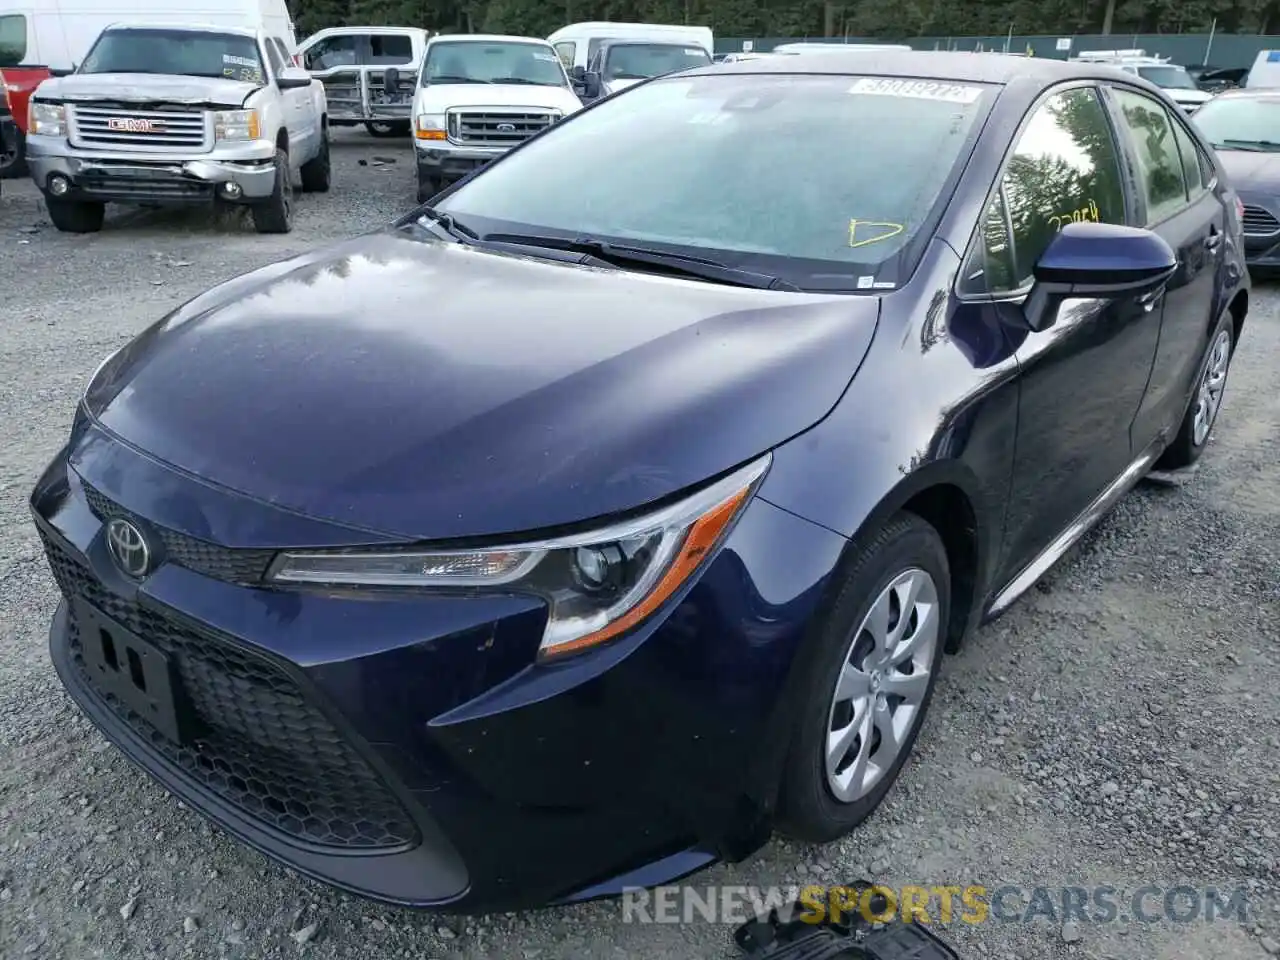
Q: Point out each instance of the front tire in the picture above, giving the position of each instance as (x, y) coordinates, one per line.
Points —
(13, 159)
(428, 187)
(275, 214)
(75, 216)
(1202, 414)
(879, 654)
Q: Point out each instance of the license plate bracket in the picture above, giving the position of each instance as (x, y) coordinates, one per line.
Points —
(137, 673)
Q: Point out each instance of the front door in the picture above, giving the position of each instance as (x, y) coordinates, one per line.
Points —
(1082, 380)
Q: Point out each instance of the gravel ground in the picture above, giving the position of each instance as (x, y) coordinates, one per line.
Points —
(1118, 727)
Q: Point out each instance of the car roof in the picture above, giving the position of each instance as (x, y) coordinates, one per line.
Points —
(928, 65)
(186, 27)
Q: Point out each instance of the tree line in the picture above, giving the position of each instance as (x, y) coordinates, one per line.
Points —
(882, 19)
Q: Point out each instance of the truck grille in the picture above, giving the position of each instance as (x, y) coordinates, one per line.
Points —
(262, 745)
(123, 128)
(1259, 222)
(496, 129)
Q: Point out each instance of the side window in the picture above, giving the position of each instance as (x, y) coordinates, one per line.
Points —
(1064, 169)
(1193, 162)
(332, 52)
(273, 55)
(390, 50)
(13, 39)
(1159, 162)
(567, 49)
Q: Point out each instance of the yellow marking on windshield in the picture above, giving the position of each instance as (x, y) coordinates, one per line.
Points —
(879, 230)
(1086, 214)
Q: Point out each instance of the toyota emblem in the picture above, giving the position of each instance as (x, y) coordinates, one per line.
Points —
(128, 548)
(506, 128)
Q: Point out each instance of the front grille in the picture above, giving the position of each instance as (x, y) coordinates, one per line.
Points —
(173, 130)
(105, 185)
(260, 744)
(495, 129)
(221, 563)
(1259, 222)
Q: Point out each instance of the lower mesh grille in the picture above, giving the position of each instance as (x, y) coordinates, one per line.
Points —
(261, 745)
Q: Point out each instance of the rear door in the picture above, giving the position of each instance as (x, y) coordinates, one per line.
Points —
(1082, 380)
(1175, 201)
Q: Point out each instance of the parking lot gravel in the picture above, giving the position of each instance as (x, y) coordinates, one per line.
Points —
(1119, 727)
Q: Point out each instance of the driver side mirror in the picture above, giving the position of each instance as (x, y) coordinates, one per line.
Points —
(1102, 260)
(391, 81)
(293, 78)
(578, 74)
(591, 86)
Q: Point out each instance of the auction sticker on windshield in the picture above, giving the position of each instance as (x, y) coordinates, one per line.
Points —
(917, 89)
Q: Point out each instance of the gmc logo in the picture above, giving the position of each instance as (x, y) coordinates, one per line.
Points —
(134, 125)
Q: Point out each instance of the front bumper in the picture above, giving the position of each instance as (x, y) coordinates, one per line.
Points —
(408, 749)
(1261, 229)
(442, 162)
(148, 177)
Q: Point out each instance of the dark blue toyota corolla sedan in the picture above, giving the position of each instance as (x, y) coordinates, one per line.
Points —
(619, 508)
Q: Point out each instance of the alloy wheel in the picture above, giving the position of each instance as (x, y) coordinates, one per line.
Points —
(882, 686)
(1212, 384)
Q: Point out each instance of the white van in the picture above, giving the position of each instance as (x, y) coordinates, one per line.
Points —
(1265, 71)
(578, 43)
(60, 32)
(353, 62)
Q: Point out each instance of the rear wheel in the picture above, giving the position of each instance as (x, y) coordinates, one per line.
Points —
(383, 129)
(316, 173)
(1202, 414)
(75, 216)
(275, 214)
(13, 157)
(880, 650)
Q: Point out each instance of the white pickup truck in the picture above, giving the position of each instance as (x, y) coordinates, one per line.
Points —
(179, 115)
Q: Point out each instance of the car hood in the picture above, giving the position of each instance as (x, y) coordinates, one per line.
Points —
(1188, 96)
(498, 96)
(428, 390)
(148, 88)
(1251, 171)
(617, 86)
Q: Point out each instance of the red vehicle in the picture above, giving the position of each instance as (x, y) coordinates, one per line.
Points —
(17, 85)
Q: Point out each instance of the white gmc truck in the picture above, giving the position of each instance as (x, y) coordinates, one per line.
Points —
(179, 115)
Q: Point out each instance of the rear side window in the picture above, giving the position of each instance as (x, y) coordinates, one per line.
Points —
(567, 49)
(1159, 161)
(1064, 169)
(1193, 162)
(390, 50)
(332, 52)
(13, 39)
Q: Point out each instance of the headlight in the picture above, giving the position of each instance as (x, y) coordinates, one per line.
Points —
(597, 585)
(47, 119)
(429, 126)
(236, 125)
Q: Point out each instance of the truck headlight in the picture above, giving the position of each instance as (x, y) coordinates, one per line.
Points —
(47, 119)
(236, 125)
(597, 585)
(430, 126)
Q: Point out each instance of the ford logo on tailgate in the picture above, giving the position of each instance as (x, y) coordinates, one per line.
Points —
(134, 125)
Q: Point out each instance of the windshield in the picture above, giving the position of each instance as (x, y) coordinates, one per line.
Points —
(176, 52)
(500, 62)
(696, 165)
(1170, 77)
(1240, 121)
(640, 61)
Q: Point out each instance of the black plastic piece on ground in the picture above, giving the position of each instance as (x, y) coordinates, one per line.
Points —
(787, 935)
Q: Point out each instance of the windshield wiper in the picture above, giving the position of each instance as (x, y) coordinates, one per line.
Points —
(620, 255)
(1258, 146)
(450, 79)
(451, 226)
(523, 80)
